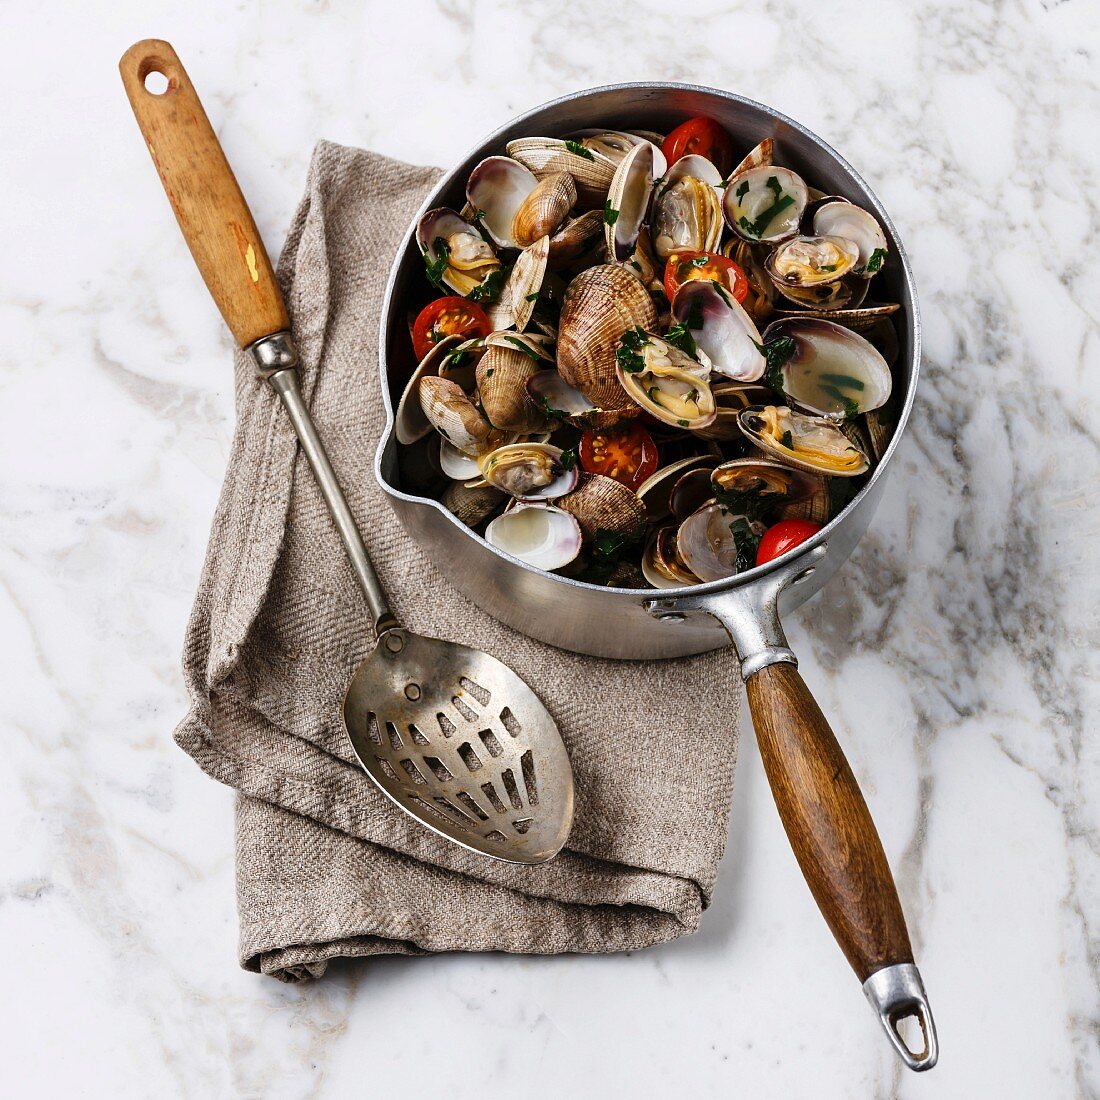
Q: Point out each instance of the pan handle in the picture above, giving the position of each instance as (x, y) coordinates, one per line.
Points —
(820, 804)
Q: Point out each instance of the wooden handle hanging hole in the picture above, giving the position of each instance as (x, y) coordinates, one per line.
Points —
(154, 78)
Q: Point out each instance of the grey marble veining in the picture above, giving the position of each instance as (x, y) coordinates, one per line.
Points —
(956, 653)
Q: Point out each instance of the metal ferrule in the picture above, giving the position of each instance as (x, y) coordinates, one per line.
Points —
(749, 613)
(274, 353)
(897, 992)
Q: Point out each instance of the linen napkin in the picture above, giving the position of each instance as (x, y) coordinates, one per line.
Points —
(326, 865)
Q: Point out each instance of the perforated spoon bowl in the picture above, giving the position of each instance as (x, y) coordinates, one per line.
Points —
(448, 733)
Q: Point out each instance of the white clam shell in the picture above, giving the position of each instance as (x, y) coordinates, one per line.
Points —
(538, 534)
(497, 186)
(409, 421)
(728, 336)
(629, 195)
(844, 219)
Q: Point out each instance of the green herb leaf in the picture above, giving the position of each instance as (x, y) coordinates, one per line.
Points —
(742, 190)
(610, 214)
(434, 269)
(569, 458)
(532, 297)
(488, 290)
(765, 219)
(519, 344)
(827, 267)
(845, 380)
(580, 150)
(787, 440)
(875, 262)
(700, 261)
(627, 354)
(775, 185)
(679, 336)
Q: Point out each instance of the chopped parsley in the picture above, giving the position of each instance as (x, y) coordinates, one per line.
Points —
(827, 267)
(490, 372)
(488, 290)
(756, 228)
(578, 149)
(569, 458)
(435, 269)
(527, 350)
(875, 262)
(743, 190)
(532, 297)
(610, 214)
(699, 261)
(630, 344)
(777, 352)
(787, 441)
(845, 380)
(679, 336)
(775, 185)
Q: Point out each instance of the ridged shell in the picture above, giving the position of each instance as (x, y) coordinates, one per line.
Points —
(516, 303)
(600, 304)
(757, 158)
(539, 534)
(603, 504)
(409, 422)
(545, 156)
(575, 238)
(628, 197)
(472, 506)
(662, 564)
(545, 209)
(502, 376)
(453, 414)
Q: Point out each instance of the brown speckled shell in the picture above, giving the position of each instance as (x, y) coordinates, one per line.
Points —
(502, 374)
(603, 504)
(544, 211)
(600, 304)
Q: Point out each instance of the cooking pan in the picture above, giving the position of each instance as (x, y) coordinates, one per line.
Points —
(819, 801)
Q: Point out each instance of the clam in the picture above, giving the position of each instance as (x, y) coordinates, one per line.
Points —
(453, 414)
(545, 210)
(662, 564)
(763, 482)
(576, 237)
(840, 218)
(663, 380)
(758, 157)
(516, 303)
(691, 491)
(615, 144)
(529, 471)
(628, 201)
(687, 209)
(817, 508)
(538, 534)
(456, 464)
(603, 504)
(829, 370)
(863, 318)
(808, 443)
(409, 421)
(455, 253)
(760, 301)
(472, 506)
(591, 171)
(496, 190)
(812, 271)
(721, 329)
(765, 203)
(716, 542)
(600, 304)
(655, 492)
(729, 399)
(502, 376)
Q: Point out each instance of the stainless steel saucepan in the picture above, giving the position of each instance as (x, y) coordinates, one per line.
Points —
(819, 801)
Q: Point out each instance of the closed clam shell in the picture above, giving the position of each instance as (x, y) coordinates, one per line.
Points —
(502, 376)
(516, 304)
(591, 171)
(603, 504)
(472, 506)
(575, 238)
(543, 212)
(453, 414)
(600, 304)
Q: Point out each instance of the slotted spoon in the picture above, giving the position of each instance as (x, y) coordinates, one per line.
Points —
(448, 733)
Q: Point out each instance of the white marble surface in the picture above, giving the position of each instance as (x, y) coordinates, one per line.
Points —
(957, 652)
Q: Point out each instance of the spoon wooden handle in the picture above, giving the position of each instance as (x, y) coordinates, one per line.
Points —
(203, 191)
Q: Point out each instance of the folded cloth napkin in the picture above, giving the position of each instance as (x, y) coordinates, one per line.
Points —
(326, 865)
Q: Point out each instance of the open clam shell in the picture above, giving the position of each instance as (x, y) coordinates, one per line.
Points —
(662, 565)
(529, 471)
(831, 370)
(539, 534)
(456, 464)
(716, 542)
(721, 328)
(601, 304)
(628, 201)
(409, 421)
(453, 414)
(516, 304)
(808, 443)
(497, 189)
(769, 483)
(664, 381)
(812, 271)
(863, 318)
(840, 218)
(615, 144)
(545, 210)
(591, 171)
(765, 203)
(575, 238)
(757, 157)
(454, 248)
(655, 492)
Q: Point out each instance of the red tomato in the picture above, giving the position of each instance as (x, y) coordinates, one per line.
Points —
(703, 136)
(451, 316)
(685, 266)
(628, 454)
(784, 536)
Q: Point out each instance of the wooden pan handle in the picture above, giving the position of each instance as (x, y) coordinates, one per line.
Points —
(203, 191)
(827, 821)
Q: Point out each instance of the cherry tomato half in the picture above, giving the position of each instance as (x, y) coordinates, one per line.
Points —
(628, 454)
(784, 536)
(685, 266)
(451, 316)
(703, 136)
